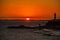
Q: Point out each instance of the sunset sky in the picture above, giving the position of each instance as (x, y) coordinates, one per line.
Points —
(41, 9)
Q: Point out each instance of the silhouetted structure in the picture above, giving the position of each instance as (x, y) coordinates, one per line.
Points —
(54, 16)
(54, 24)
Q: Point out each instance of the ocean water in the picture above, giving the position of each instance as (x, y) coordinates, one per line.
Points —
(26, 23)
(23, 34)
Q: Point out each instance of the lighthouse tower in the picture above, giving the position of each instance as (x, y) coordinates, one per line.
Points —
(55, 16)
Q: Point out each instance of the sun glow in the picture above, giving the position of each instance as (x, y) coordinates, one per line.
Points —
(27, 18)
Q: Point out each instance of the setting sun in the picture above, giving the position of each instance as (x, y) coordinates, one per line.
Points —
(27, 18)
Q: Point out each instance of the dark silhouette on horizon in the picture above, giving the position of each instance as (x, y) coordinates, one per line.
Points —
(53, 24)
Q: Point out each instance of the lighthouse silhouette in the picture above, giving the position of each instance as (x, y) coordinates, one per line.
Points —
(55, 16)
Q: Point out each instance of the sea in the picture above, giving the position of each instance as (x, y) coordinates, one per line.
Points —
(25, 34)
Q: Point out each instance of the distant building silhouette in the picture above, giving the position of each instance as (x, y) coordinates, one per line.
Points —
(54, 16)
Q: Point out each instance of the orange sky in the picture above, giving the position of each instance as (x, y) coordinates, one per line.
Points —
(30, 8)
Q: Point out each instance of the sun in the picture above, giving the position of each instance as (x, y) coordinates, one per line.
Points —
(27, 18)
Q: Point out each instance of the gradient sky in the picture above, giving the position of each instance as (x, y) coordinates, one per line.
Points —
(30, 8)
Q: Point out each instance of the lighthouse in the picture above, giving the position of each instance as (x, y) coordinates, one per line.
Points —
(55, 16)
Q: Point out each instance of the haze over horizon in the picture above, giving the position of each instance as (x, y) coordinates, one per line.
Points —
(29, 8)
